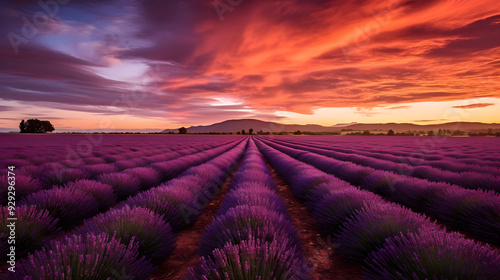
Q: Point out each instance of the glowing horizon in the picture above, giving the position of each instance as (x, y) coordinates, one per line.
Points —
(165, 64)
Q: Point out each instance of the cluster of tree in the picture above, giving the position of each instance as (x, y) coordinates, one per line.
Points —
(489, 133)
(35, 126)
(365, 133)
(392, 133)
(298, 132)
(250, 132)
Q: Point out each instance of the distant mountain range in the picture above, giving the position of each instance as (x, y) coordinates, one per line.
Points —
(256, 125)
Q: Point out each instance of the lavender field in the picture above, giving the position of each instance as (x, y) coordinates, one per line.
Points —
(249, 207)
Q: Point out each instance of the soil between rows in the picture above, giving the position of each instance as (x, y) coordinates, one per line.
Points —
(185, 255)
(318, 249)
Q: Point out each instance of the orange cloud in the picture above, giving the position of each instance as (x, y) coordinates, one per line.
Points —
(474, 106)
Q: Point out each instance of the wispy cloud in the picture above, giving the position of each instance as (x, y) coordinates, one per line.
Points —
(424, 121)
(474, 106)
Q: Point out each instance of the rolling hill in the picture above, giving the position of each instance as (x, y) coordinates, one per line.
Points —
(256, 125)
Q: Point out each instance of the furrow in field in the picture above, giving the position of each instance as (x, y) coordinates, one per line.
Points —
(448, 164)
(474, 211)
(389, 240)
(153, 218)
(251, 236)
(470, 180)
(49, 213)
(423, 149)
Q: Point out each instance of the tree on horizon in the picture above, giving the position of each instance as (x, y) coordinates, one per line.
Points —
(35, 126)
(183, 130)
(22, 126)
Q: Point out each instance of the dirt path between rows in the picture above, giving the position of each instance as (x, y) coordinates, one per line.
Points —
(185, 256)
(319, 249)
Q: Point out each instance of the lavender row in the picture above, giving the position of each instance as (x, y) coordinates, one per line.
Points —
(76, 201)
(427, 150)
(251, 236)
(46, 214)
(473, 211)
(418, 159)
(131, 239)
(470, 180)
(450, 164)
(390, 241)
(26, 185)
(37, 165)
(39, 149)
(51, 174)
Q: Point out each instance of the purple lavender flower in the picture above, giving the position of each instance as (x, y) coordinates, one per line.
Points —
(154, 237)
(123, 184)
(241, 222)
(418, 194)
(24, 186)
(475, 211)
(253, 176)
(68, 205)
(335, 208)
(148, 176)
(97, 257)
(62, 176)
(101, 192)
(253, 197)
(93, 160)
(168, 208)
(369, 227)
(95, 170)
(432, 254)
(33, 227)
(252, 259)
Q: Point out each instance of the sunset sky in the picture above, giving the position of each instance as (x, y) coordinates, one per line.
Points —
(132, 64)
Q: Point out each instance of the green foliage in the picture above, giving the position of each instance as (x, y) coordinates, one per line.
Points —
(35, 126)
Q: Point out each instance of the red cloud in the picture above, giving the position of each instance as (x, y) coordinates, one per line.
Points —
(473, 106)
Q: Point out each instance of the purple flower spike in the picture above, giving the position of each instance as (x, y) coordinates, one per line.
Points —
(33, 227)
(369, 227)
(101, 192)
(252, 259)
(243, 222)
(123, 184)
(432, 254)
(70, 206)
(90, 257)
(155, 237)
(334, 209)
